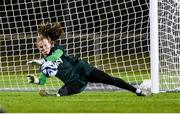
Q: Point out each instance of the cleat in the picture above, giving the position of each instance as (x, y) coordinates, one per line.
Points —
(140, 92)
(144, 93)
(144, 88)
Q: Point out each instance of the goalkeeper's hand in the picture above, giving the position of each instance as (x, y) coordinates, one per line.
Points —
(37, 62)
(32, 79)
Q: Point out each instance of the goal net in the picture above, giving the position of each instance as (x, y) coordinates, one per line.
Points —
(112, 35)
(169, 44)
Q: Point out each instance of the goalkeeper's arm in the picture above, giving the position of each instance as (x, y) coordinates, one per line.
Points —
(54, 57)
(40, 81)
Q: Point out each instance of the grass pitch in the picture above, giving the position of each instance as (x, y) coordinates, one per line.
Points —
(90, 101)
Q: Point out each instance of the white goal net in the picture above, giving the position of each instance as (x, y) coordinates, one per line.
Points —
(113, 35)
(169, 44)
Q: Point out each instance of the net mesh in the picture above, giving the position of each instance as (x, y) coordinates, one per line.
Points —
(169, 31)
(113, 35)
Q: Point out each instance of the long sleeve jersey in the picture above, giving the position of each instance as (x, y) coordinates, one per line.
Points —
(69, 69)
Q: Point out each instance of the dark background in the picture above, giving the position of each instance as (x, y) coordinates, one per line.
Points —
(88, 16)
(102, 32)
(120, 23)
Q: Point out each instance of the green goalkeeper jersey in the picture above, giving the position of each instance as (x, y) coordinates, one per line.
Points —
(69, 68)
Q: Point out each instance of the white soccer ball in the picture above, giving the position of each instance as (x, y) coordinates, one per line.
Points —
(146, 85)
(49, 68)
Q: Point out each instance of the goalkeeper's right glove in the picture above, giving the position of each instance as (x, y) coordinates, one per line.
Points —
(32, 79)
(37, 61)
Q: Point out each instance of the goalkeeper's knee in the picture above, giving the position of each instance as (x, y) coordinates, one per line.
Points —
(63, 91)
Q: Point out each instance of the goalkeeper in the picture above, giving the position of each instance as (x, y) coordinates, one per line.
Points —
(74, 72)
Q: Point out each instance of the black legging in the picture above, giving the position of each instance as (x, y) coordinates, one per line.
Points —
(98, 76)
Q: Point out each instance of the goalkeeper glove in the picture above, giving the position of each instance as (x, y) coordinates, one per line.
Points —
(44, 93)
(37, 62)
(32, 79)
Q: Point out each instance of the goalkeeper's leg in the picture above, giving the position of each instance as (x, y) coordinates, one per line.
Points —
(98, 76)
(70, 88)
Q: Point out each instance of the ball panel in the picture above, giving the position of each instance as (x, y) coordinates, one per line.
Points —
(49, 68)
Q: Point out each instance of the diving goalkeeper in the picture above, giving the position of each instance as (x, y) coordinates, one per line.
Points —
(74, 72)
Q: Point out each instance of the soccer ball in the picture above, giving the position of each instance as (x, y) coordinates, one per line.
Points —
(146, 85)
(49, 68)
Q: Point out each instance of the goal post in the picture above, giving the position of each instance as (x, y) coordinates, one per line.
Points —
(130, 39)
(154, 46)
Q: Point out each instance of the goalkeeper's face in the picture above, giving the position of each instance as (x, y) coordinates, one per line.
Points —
(44, 46)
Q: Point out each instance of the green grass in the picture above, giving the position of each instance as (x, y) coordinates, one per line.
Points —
(20, 80)
(90, 101)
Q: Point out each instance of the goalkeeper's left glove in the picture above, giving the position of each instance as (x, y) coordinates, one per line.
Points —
(32, 79)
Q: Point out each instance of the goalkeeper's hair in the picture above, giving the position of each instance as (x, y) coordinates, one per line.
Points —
(49, 31)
